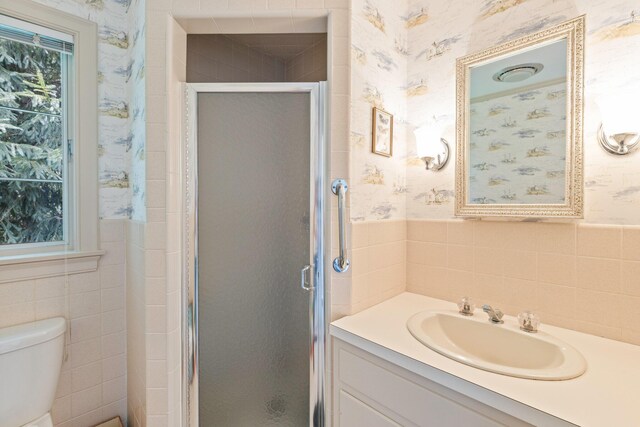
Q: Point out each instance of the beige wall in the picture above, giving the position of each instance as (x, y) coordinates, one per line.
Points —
(92, 384)
(308, 66)
(581, 277)
(576, 276)
(217, 58)
(378, 264)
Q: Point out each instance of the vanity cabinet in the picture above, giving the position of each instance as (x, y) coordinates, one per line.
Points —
(370, 391)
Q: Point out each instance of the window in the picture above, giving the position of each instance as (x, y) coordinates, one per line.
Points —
(48, 142)
(35, 139)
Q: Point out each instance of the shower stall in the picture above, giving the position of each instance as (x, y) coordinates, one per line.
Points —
(254, 301)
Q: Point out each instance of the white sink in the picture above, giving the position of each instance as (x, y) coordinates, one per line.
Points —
(500, 348)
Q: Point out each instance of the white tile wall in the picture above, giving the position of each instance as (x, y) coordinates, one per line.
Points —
(135, 313)
(91, 388)
(169, 42)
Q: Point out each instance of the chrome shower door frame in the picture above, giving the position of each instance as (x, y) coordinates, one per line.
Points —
(319, 217)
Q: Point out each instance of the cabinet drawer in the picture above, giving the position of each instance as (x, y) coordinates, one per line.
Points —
(354, 412)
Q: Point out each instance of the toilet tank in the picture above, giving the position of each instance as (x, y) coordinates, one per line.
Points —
(30, 362)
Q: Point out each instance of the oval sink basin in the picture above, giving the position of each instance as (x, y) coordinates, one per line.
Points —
(500, 348)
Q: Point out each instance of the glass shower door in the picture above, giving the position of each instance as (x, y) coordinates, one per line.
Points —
(253, 239)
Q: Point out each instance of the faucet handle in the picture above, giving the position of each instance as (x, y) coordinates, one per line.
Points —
(529, 321)
(495, 314)
(466, 306)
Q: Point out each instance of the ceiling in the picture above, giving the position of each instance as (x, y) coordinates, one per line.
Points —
(553, 56)
(254, 25)
(283, 46)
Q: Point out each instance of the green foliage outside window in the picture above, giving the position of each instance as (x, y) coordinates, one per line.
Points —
(31, 144)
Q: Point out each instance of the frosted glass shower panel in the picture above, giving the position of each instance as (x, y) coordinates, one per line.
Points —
(253, 239)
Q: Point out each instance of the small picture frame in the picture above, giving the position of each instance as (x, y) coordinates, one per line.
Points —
(382, 132)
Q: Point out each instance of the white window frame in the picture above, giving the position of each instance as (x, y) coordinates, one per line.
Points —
(80, 252)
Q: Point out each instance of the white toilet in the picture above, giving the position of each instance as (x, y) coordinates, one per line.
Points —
(30, 361)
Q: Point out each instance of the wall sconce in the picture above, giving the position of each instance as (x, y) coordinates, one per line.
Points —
(434, 154)
(615, 142)
(617, 133)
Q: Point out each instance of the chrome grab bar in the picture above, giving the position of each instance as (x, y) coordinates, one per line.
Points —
(340, 188)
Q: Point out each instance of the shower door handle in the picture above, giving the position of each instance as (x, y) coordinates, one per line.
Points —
(340, 188)
(191, 344)
(304, 278)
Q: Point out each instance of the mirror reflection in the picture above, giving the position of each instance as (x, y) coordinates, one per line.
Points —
(518, 128)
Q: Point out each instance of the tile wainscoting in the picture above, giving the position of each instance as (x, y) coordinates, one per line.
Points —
(581, 277)
(378, 262)
(136, 300)
(92, 385)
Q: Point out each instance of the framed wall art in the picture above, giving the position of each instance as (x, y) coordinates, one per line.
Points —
(382, 133)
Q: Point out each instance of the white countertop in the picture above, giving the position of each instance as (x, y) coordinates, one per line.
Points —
(608, 394)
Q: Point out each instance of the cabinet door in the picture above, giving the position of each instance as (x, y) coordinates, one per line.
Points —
(393, 396)
(354, 412)
(419, 405)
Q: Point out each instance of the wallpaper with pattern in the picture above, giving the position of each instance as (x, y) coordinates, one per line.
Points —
(379, 56)
(518, 147)
(137, 124)
(449, 30)
(403, 60)
(118, 73)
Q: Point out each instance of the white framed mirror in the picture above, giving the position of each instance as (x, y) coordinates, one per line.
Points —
(519, 127)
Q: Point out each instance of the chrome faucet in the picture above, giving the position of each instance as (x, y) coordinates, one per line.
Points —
(495, 315)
